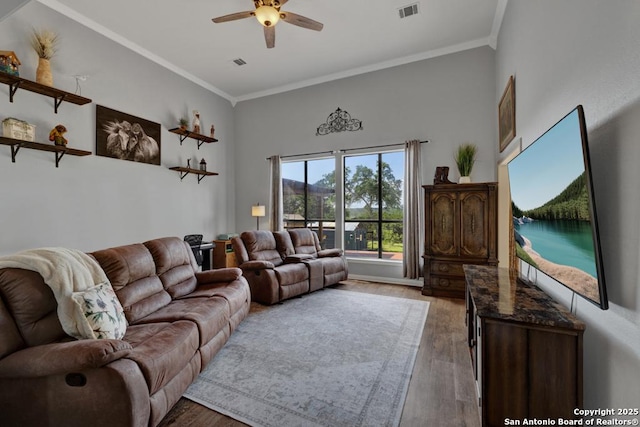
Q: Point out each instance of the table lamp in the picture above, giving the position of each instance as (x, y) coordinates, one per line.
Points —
(257, 211)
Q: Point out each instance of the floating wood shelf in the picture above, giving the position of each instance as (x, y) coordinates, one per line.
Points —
(186, 171)
(59, 151)
(184, 134)
(58, 95)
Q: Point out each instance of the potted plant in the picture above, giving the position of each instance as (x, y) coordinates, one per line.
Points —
(465, 157)
(45, 43)
(184, 123)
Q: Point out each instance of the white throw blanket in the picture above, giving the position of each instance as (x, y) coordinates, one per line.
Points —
(65, 271)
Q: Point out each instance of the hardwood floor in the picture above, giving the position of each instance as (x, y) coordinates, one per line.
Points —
(441, 391)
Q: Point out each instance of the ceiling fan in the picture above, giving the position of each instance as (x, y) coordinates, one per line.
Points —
(268, 13)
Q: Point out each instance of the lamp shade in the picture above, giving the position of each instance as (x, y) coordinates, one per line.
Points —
(257, 210)
(267, 15)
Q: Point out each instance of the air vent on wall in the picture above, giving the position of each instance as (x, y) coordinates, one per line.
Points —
(239, 62)
(409, 10)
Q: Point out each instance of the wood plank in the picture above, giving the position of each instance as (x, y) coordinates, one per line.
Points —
(193, 135)
(44, 147)
(41, 89)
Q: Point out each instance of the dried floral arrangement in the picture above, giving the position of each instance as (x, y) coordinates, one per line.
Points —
(44, 42)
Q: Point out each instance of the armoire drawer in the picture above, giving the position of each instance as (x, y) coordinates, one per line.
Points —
(447, 268)
(448, 283)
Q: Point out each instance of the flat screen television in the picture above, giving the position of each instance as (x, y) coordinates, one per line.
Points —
(554, 212)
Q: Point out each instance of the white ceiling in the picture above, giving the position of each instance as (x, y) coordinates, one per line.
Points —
(358, 36)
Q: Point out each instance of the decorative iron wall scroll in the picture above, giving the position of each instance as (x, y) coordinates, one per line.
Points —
(339, 121)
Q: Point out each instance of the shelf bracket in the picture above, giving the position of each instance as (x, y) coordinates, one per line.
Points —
(57, 101)
(14, 151)
(183, 174)
(13, 87)
(200, 142)
(200, 178)
(182, 138)
(59, 155)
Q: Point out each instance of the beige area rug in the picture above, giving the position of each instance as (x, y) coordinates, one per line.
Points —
(332, 358)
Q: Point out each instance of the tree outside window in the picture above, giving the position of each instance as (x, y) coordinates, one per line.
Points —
(374, 205)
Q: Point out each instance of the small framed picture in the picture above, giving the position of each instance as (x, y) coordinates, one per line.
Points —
(507, 115)
(126, 137)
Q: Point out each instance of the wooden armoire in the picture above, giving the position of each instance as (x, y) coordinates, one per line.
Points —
(460, 228)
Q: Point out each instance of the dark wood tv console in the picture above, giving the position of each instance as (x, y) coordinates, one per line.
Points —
(526, 349)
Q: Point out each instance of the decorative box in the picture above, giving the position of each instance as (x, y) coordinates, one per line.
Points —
(9, 62)
(18, 129)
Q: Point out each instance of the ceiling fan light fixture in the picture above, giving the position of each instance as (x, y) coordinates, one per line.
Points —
(267, 15)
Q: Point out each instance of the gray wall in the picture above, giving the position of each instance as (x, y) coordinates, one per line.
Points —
(94, 202)
(447, 100)
(586, 52)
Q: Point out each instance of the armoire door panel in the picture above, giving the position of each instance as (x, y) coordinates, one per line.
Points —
(443, 224)
(473, 224)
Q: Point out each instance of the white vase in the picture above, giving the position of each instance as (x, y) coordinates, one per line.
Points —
(464, 180)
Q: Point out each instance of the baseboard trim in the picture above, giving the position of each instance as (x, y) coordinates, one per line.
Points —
(391, 280)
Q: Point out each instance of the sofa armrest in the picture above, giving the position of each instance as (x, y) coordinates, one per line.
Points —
(291, 259)
(60, 358)
(218, 276)
(257, 265)
(329, 252)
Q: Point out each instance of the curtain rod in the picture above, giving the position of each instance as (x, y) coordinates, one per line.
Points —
(377, 146)
(344, 150)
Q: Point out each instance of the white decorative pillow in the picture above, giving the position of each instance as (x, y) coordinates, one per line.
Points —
(100, 307)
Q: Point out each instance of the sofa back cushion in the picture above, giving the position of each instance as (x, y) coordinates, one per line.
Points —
(239, 250)
(175, 265)
(132, 273)
(283, 243)
(261, 246)
(28, 311)
(305, 241)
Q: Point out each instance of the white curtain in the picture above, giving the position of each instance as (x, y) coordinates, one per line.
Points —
(413, 216)
(275, 195)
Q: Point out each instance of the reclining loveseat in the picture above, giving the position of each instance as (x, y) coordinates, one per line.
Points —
(177, 319)
(284, 264)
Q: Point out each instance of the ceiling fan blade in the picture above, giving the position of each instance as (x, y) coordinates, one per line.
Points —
(270, 36)
(300, 21)
(233, 16)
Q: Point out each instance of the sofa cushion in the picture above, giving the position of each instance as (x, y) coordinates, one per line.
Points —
(236, 293)
(305, 241)
(211, 315)
(284, 243)
(288, 274)
(132, 273)
(175, 265)
(162, 350)
(261, 246)
(103, 311)
(33, 307)
(10, 340)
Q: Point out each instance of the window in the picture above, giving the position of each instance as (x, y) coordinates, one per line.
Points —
(308, 198)
(373, 185)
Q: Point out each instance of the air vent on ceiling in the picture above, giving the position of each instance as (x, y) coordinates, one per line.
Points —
(239, 62)
(409, 10)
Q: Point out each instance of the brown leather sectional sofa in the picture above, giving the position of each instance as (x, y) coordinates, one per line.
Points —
(284, 264)
(178, 319)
